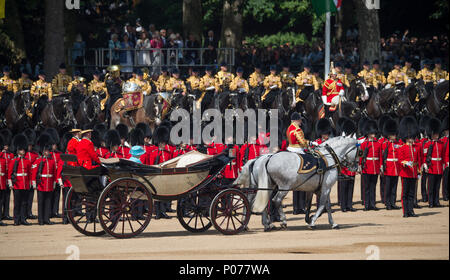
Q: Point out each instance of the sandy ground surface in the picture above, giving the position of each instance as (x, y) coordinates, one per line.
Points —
(372, 234)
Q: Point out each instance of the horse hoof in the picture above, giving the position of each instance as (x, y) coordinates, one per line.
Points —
(335, 226)
(283, 226)
(312, 227)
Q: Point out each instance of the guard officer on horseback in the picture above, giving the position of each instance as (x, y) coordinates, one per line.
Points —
(332, 91)
(295, 136)
(114, 89)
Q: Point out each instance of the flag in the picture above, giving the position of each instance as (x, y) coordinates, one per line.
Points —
(338, 4)
(323, 6)
(2, 8)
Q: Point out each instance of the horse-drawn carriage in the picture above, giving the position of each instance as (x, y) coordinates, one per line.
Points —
(123, 207)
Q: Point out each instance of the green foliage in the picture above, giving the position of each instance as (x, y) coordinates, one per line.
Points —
(9, 53)
(442, 9)
(280, 39)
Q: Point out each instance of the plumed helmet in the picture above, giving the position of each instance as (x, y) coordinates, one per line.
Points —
(112, 138)
(44, 142)
(19, 142)
(161, 135)
(31, 135)
(370, 127)
(408, 128)
(390, 127)
(136, 137)
(145, 129)
(323, 126)
(345, 126)
(123, 131)
(296, 116)
(434, 126)
(332, 69)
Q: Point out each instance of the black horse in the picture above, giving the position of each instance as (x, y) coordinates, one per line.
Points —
(57, 113)
(16, 117)
(89, 111)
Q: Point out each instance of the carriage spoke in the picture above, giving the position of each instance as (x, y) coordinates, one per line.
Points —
(129, 222)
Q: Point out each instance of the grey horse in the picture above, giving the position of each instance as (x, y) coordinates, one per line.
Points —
(279, 172)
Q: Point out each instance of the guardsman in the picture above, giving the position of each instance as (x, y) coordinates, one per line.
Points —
(19, 175)
(230, 171)
(433, 162)
(256, 78)
(78, 82)
(3, 179)
(61, 81)
(271, 84)
(370, 164)
(124, 148)
(390, 167)
(382, 139)
(427, 75)
(295, 136)
(7, 156)
(332, 91)
(223, 78)
(397, 78)
(410, 158)
(240, 84)
(247, 151)
(287, 78)
(175, 84)
(23, 83)
(193, 82)
(440, 74)
(367, 75)
(44, 174)
(444, 140)
(6, 83)
(348, 75)
(162, 80)
(306, 82)
(112, 141)
(96, 86)
(87, 157)
(31, 155)
(379, 78)
(409, 71)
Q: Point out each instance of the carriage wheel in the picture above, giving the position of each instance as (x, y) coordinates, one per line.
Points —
(125, 208)
(193, 211)
(230, 211)
(81, 211)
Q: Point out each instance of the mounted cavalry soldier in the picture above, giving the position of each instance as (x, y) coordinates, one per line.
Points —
(287, 78)
(23, 83)
(441, 74)
(295, 136)
(61, 81)
(306, 83)
(78, 82)
(97, 87)
(272, 85)
(427, 75)
(139, 80)
(6, 90)
(397, 78)
(207, 86)
(162, 80)
(40, 91)
(240, 85)
(256, 78)
(332, 91)
(349, 76)
(114, 89)
(409, 71)
(379, 78)
(223, 78)
(175, 84)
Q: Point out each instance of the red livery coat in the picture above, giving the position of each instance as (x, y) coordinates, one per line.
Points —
(72, 149)
(231, 170)
(87, 157)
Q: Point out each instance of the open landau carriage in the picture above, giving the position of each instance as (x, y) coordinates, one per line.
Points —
(124, 207)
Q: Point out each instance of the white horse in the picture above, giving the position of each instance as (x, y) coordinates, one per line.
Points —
(279, 172)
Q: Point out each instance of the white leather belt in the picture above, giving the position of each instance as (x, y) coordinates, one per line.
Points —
(2, 174)
(372, 158)
(392, 159)
(46, 175)
(22, 174)
(436, 159)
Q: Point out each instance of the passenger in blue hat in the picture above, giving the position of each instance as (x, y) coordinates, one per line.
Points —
(136, 152)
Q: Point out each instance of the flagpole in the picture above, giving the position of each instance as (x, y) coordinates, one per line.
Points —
(327, 44)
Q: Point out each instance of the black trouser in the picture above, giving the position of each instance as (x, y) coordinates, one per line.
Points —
(298, 201)
(2, 198)
(434, 182)
(159, 207)
(30, 199)
(64, 214)
(56, 195)
(20, 204)
(445, 184)
(346, 193)
(382, 188)
(370, 184)
(390, 190)
(408, 186)
(362, 189)
(5, 204)
(423, 187)
(44, 206)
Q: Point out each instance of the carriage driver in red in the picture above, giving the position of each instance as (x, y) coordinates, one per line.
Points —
(87, 157)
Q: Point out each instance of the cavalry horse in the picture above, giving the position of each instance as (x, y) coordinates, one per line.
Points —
(57, 113)
(286, 171)
(436, 103)
(16, 117)
(89, 111)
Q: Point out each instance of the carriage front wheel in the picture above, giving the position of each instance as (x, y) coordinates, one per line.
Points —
(230, 211)
(125, 208)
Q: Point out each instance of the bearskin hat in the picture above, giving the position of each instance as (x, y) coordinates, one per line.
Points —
(370, 127)
(54, 134)
(162, 135)
(2, 142)
(408, 128)
(136, 137)
(423, 124)
(323, 126)
(390, 127)
(361, 123)
(381, 121)
(44, 142)
(444, 124)
(145, 129)
(345, 126)
(20, 142)
(31, 135)
(101, 128)
(123, 131)
(112, 138)
(7, 136)
(96, 138)
(65, 140)
(434, 126)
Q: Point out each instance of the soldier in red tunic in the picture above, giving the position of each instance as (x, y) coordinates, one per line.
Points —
(87, 157)
(19, 174)
(332, 91)
(420, 144)
(433, 162)
(124, 148)
(44, 175)
(7, 156)
(3, 179)
(410, 157)
(370, 164)
(112, 141)
(444, 139)
(31, 155)
(390, 164)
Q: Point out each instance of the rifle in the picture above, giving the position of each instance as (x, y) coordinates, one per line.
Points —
(13, 176)
(429, 154)
(363, 162)
(385, 155)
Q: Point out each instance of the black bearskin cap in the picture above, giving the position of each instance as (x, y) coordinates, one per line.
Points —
(162, 135)
(136, 137)
(390, 127)
(112, 138)
(123, 131)
(408, 128)
(54, 134)
(31, 135)
(370, 127)
(434, 126)
(20, 142)
(96, 138)
(44, 142)
(345, 126)
(323, 126)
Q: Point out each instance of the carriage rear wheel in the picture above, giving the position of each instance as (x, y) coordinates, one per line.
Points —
(193, 211)
(125, 208)
(81, 211)
(230, 211)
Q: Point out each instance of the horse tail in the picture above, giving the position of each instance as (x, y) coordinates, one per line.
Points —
(263, 195)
